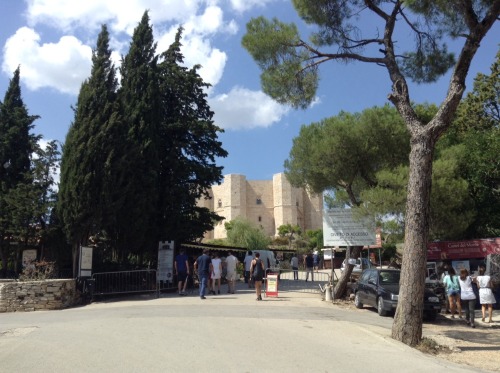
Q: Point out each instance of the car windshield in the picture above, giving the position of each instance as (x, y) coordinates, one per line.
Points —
(389, 277)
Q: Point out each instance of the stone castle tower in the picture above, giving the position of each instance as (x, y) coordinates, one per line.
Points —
(267, 203)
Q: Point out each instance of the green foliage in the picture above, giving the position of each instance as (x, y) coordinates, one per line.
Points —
(343, 153)
(287, 76)
(362, 159)
(289, 230)
(477, 129)
(290, 65)
(243, 233)
(315, 238)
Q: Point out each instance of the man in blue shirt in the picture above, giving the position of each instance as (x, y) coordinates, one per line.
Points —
(181, 265)
(204, 266)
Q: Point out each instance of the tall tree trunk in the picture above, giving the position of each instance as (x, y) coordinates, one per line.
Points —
(407, 326)
(340, 288)
(4, 258)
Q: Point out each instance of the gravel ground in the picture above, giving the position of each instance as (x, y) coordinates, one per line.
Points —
(479, 347)
(458, 342)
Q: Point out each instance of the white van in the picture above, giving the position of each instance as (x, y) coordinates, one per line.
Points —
(267, 257)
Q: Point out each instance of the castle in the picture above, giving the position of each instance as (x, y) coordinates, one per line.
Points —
(267, 203)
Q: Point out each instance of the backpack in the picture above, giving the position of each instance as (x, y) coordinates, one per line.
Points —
(258, 271)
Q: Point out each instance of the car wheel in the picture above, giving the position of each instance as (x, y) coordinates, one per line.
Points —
(357, 301)
(380, 307)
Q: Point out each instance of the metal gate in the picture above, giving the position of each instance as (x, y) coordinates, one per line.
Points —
(298, 281)
(125, 282)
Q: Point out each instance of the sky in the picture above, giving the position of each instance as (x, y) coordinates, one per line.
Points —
(52, 42)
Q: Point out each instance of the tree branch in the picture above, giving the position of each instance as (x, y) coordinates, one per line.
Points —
(456, 89)
(375, 9)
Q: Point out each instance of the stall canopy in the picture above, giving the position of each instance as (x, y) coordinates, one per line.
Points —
(467, 249)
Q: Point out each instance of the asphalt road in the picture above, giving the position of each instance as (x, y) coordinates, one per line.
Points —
(225, 333)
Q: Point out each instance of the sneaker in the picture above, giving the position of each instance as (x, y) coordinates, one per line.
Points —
(472, 325)
(203, 297)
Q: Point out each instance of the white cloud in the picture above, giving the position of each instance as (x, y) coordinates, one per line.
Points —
(245, 109)
(241, 6)
(62, 65)
(120, 17)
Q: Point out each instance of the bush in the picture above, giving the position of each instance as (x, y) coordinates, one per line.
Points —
(38, 270)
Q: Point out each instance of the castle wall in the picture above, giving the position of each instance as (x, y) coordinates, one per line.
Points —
(266, 203)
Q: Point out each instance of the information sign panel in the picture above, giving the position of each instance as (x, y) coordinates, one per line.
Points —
(272, 285)
(85, 269)
(165, 271)
(340, 228)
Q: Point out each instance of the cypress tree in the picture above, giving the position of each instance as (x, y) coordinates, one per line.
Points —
(16, 147)
(86, 151)
(190, 147)
(139, 107)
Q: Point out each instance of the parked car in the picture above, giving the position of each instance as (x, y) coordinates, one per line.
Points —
(360, 265)
(380, 288)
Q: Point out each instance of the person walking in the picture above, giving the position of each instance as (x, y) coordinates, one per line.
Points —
(309, 266)
(257, 271)
(248, 262)
(486, 296)
(294, 262)
(203, 265)
(316, 261)
(453, 292)
(231, 263)
(467, 296)
(181, 265)
(443, 275)
(216, 272)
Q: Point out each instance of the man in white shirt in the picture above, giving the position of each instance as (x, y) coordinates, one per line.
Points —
(248, 262)
(231, 263)
(294, 262)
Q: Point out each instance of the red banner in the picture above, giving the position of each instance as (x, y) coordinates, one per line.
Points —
(468, 249)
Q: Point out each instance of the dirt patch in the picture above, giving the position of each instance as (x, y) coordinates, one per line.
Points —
(453, 340)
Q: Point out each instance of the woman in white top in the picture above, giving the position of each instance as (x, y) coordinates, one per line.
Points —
(467, 296)
(486, 296)
(216, 273)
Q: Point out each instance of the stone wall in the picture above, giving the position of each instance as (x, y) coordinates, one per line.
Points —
(37, 295)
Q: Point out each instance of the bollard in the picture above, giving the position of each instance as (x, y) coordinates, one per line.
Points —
(328, 293)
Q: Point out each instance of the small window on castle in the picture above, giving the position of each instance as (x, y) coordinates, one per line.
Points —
(297, 203)
(260, 218)
(258, 201)
(219, 203)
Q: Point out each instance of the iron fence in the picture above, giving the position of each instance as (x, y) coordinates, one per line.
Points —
(125, 282)
(299, 281)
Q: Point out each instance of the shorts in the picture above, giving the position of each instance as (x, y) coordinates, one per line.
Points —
(452, 292)
(182, 276)
(231, 276)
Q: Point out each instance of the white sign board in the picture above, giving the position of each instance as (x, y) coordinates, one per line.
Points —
(29, 256)
(85, 269)
(328, 254)
(341, 229)
(165, 271)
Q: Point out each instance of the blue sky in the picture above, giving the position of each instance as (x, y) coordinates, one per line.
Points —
(52, 41)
